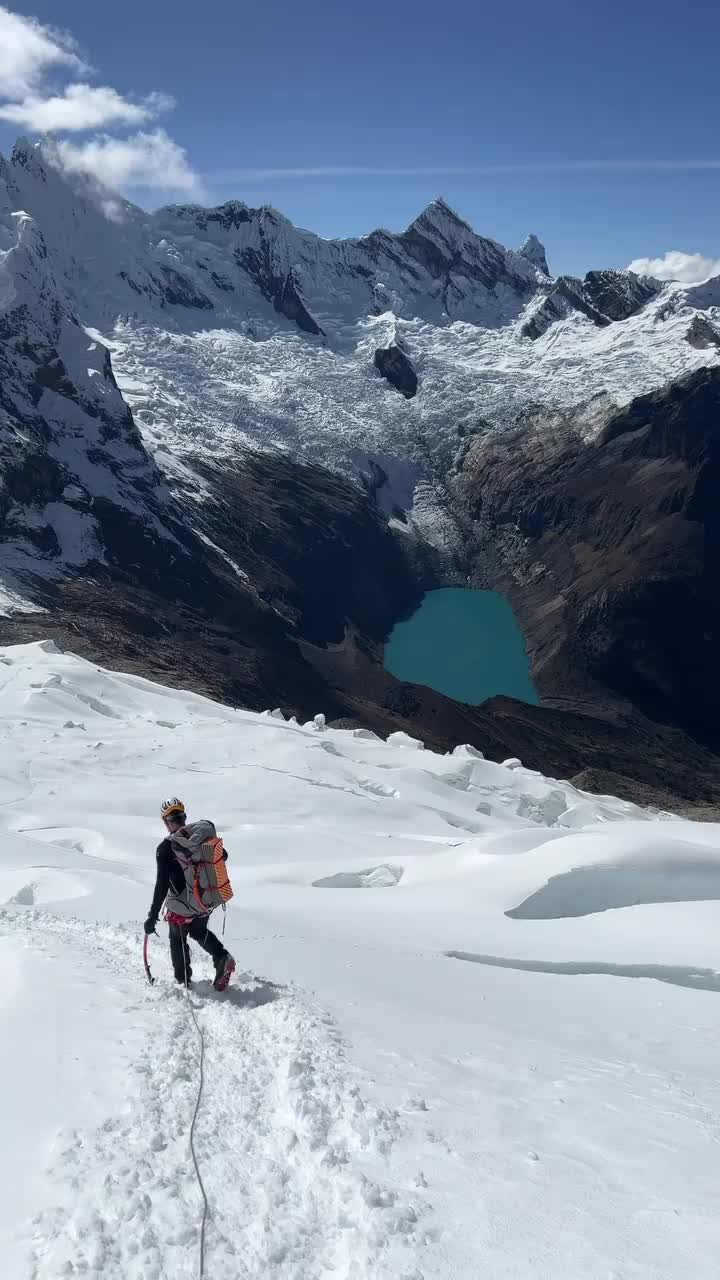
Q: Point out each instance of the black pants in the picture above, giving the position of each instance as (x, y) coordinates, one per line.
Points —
(198, 930)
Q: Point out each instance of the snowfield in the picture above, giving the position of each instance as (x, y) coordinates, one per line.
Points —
(473, 1030)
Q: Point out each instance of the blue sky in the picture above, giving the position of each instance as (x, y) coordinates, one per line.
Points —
(594, 126)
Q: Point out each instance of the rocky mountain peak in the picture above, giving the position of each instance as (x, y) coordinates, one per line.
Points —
(439, 215)
(619, 294)
(29, 156)
(533, 250)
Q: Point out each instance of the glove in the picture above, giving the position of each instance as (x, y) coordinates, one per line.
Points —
(149, 926)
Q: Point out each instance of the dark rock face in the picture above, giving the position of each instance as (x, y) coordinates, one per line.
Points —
(314, 546)
(221, 282)
(394, 365)
(133, 284)
(288, 302)
(232, 214)
(603, 296)
(445, 246)
(281, 289)
(619, 294)
(552, 307)
(178, 291)
(702, 334)
(608, 549)
(573, 292)
(564, 296)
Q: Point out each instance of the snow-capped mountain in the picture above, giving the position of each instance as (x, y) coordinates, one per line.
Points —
(230, 326)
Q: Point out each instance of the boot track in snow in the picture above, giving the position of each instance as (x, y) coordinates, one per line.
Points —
(282, 1138)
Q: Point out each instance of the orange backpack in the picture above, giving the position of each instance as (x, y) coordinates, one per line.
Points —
(201, 855)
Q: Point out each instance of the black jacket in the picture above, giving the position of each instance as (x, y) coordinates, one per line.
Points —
(170, 875)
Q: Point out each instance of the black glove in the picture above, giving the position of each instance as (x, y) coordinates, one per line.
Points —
(149, 925)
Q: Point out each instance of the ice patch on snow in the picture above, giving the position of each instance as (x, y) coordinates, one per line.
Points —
(385, 877)
(680, 877)
(677, 975)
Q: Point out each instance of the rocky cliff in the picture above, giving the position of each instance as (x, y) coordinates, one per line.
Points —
(605, 537)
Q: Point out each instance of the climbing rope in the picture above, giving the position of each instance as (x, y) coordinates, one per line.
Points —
(198, 1175)
(201, 1086)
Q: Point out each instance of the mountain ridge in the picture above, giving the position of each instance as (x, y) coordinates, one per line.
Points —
(260, 335)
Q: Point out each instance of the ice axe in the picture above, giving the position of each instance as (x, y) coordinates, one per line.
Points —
(148, 974)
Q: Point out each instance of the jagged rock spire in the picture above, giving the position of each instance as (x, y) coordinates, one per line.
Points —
(533, 250)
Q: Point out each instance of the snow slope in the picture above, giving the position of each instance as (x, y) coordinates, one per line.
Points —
(496, 1056)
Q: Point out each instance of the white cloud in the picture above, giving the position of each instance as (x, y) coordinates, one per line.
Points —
(144, 160)
(688, 268)
(31, 57)
(81, 106)
(27, 50)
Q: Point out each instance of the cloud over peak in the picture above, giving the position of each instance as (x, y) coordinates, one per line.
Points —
(143, 160)
(676, 264)
(30, 54)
